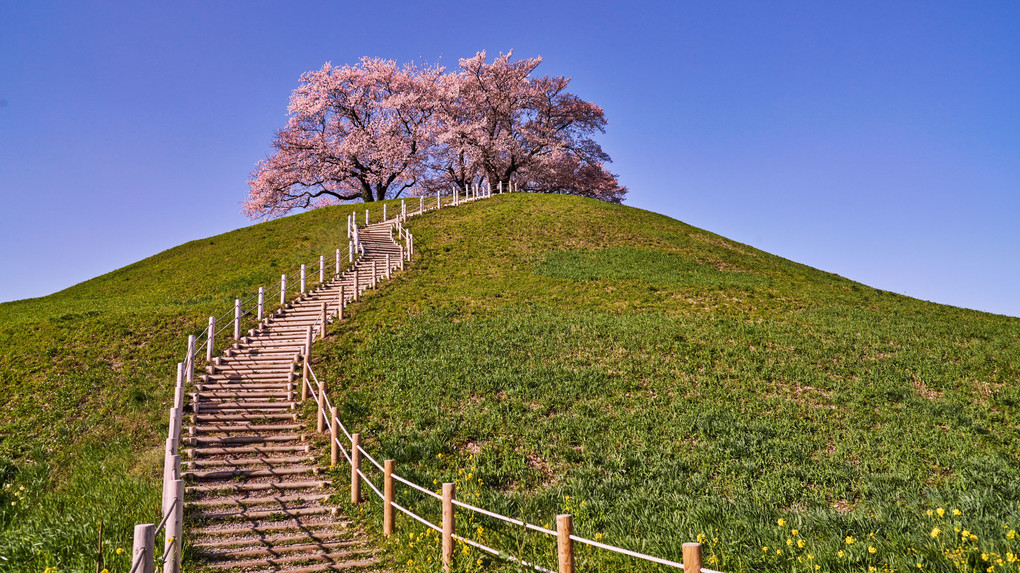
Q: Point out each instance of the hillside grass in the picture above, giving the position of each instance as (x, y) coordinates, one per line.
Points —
(87, 381)
(553, 354)
(663, 384)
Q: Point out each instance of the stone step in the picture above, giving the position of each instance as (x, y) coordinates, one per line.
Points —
(253, 473)
(197, 452)
(249, 502)
(346, 559)
(212, 396)
(208, 417)
(225, 440)
(268, 540)
(199, 463)
(243, 487)
(217, 428)
(217, 407)
(279, 513)
(296, 524)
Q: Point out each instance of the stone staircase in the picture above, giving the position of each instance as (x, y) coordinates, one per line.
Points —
(255, 496)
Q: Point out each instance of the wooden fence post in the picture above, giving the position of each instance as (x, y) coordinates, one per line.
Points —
(304, 379)
(375, 276)
(320, 414)
(337, 273)
(332, 437)
(692, 558)
(190, 368)
(179, 388)
(355, 467)
(262, 304)
(210, 339)
(302, 278)
(356, 289)
(322, 320)
(564, 529)
(401, 247)
(387, 266)
(237, 319)
(144, 545)
(350, 251)
(387, 520)
(340, 311)
(283, 290)
(322, 269)
(174, 529)
(308, 341)
(448, 525)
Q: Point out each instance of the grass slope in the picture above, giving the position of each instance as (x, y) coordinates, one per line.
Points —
(554, 354)
(86, 384)
(551, 354)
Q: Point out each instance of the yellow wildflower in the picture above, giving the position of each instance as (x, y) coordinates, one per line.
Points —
(935, 532)
(849, 539)
(940, 511)
(800, 543)
(957, 512)
(871, 549)
(781, 522)
(795, 533)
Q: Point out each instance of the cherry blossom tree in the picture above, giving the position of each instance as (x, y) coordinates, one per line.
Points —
(376, 130)
(500, 123)
(356, 132)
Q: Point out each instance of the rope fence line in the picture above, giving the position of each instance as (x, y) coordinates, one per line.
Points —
(564, 532)
(144, 558)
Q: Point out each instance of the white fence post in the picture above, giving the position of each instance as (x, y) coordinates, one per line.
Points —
(322, 269)
(350, 251)
(237, 319)
(337, 273)
(366, 217)
(283, 290)
(210, 339)
(190, 372)
(302, 278)
(262, 303)
(144, 545)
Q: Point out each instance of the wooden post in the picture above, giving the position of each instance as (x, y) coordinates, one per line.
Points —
(304, 379)
(190, 369)
(337, 273)
(144, 547)
(355, 466)
(308, 341)
(332, 437)
(407, 244)
(375, 275)
(283, 290)
(322, 269)
(356, 289)
(179, 388)
(320, 414)
(322, 321)
(172, 433)
(500, 187)
(237, 319)
(262, 304)
(564, 529)
(340, 311)
(172, 543)
(387, 266)
(692, 558)
(387, 515)
(448, 525)
(403, 209)
(302, 278)
(210, 339)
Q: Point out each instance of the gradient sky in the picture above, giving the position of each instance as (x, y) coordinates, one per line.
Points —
(876, 140)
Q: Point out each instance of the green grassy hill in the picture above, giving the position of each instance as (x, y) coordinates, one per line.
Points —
(657, 381)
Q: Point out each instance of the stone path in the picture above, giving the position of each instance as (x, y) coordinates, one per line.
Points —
(255, 497)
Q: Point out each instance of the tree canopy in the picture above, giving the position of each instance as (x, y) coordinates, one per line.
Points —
(377, 130)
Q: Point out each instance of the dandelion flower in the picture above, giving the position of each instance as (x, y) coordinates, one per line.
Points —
(840, 553)
(795, 533)
(957, 512)
(935, 532)
(849, 540)
(781, 522)
(940, 511)
(871, 549)
(800, 543)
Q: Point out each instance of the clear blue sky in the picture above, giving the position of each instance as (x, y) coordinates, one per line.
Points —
(877, 140)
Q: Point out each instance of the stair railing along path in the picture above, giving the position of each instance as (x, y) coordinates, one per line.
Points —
(144, 557)
(349, 445)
